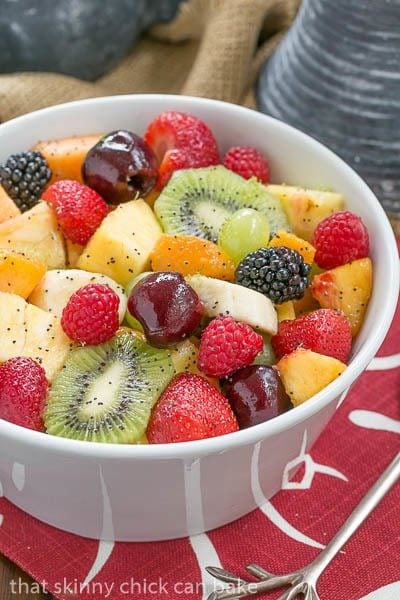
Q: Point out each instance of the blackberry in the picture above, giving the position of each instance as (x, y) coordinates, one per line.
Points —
(24, 177)
(279, 273)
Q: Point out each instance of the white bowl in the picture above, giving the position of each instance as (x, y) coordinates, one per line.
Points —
(138, 493)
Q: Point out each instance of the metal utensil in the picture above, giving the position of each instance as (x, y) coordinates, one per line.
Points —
(303, 582)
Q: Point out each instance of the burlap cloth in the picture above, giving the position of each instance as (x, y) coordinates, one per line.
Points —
(213, 48)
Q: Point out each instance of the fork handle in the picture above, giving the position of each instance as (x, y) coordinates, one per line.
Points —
(385, 482)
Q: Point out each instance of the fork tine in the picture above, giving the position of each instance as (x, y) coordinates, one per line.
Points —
(292, 593)
(225, 576)
(259, 572)
(312, 594)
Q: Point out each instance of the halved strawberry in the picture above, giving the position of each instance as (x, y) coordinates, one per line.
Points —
(180, 141)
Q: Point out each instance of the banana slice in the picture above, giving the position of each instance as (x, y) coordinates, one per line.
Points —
(224, 298)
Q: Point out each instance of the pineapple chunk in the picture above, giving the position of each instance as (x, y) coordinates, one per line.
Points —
(26, 330)
(285, 311)
(184, 359)
(285, 238)
(73, 253)
(56, 288)
(8, 208)
(19, 274)
(305, 304)
(305, 373)
(12, 326)
(346, 288)
(122, 245)
(306, 208)
(36, 234)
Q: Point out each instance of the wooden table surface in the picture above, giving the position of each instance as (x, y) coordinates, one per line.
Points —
(8, 573)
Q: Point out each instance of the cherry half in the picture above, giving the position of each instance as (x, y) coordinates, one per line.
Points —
(256, 394)
(120, 167)
(168, 309)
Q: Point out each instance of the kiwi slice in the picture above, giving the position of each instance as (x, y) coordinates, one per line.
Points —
(105, 393)
(198, 201)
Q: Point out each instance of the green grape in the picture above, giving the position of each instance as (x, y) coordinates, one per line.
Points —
(267, 356)
(129, 319)
(245, 231)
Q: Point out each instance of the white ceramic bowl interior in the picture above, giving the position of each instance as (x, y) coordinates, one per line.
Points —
(136, 493)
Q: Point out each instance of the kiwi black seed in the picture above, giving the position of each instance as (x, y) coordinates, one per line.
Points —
(198, 201)
(105, 393)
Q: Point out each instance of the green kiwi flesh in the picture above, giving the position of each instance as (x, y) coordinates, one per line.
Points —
(105, 393)
(198, 201)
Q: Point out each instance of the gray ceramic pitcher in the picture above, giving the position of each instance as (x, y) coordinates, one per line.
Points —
(336, 75)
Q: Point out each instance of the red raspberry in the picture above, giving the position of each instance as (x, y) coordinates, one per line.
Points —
(339, 239)
(247, 162)
(180, 141)
(325, 331)
(226, 346)
(91, 315)
(23, 391)
(79, 209)
(190, 409)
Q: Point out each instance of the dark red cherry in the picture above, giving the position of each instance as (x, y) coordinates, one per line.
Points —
(120, 167)
(168, 309)
(256, 394)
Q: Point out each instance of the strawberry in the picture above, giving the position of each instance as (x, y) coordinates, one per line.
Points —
(190, 409)
(180, 141)
(79, 209)
(324, 331)
(23, 391)
(247, 162)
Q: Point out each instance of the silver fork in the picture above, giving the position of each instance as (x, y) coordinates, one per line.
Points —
(303, 582)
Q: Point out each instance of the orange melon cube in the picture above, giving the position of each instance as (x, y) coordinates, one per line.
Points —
(19, 274)
(190, 255)
(292, 241)
(65, 156)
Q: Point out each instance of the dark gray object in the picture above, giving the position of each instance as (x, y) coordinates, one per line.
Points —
(336, 75)
(83, 38)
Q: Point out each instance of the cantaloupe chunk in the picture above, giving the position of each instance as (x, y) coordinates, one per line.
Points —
(19, 274)
(290, 240)
(35, 233)
(305, 373)
(65, 156)
(346, 288)
(122, 245)
(8, 208)
(305, 208)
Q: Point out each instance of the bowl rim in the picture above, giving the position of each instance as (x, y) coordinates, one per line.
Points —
(336, 389)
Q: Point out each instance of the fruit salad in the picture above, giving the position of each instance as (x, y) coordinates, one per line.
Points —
(154, 289)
